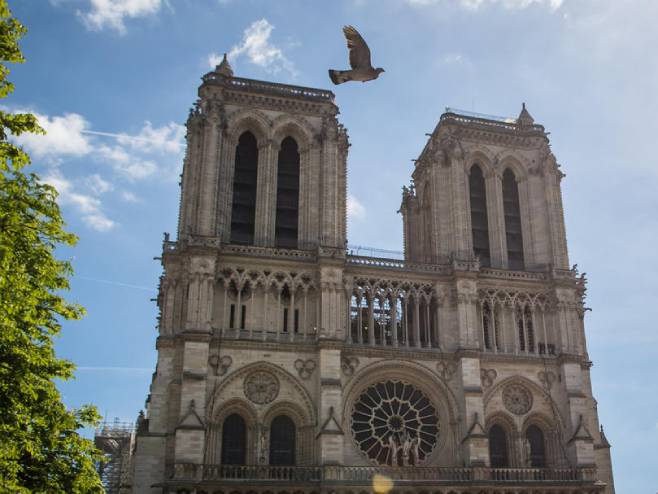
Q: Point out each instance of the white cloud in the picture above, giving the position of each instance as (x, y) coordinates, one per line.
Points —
(132, 156)
(129, 196)
(112, 13)
(88, 206)
(166, 139)
(214, 59)
(64, 137)
(98, 184)
(258, 49)
(477, 4)
(355, 210)
(126, 164)
(456, 60)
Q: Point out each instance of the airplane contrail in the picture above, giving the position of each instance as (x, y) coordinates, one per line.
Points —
(115, 283)
(118, 136)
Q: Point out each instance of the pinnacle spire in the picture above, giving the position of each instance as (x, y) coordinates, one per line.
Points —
(525, 119)
(224, 67)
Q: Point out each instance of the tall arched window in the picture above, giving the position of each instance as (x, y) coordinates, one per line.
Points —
(512, 220)
(287, 195)
(537, 446)
(245, 177)
(479, 218)
(234, 440)
(282, 441)
(498, 447)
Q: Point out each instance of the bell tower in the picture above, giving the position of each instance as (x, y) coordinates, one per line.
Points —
(265, 166)
(489, 189)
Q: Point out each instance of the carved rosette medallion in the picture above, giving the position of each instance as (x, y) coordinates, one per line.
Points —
(393, 423)
(517, 399)
(261, 387)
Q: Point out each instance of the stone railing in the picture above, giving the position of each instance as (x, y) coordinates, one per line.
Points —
(366, 474)
(268, 335)
(491, 123)
(252, 250)
(397, 264)
(271, 88)
(506, 274)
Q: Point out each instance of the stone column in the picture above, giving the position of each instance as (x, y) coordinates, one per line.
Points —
(266, 193)
(475, 443)
(330, 436)
(208, 178)
(496, 220)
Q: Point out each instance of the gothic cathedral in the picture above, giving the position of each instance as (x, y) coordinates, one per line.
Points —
(286, 364)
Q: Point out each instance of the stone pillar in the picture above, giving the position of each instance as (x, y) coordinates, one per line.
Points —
(475, 443)
(330, 436)
(580, 445)
(467, 319)
(191, 170)
(191, 427)
(208, 178)
(496, 220)
(266, 193)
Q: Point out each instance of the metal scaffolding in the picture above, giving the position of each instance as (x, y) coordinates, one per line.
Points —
(116, 441)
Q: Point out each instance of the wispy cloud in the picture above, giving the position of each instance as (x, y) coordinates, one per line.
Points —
(355, 210)
(112, 14)
(257, 46)
(456, 60)
(88, 205)
(475, 5)
(153, 151)
(64, 137)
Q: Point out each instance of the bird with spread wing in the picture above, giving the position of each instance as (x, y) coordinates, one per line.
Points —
(362, 69)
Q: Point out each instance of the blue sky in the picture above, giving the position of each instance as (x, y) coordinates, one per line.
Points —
(113, 80)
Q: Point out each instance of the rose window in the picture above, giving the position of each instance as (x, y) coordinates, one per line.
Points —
(395, 424)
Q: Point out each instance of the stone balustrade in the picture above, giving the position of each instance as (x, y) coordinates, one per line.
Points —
(366, 474)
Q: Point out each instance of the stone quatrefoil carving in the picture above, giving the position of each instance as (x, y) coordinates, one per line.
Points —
(488, 376)
(446, 370)
(349, 365)
(305, 367)
(261, 387)
(220, 365)
(517, 399)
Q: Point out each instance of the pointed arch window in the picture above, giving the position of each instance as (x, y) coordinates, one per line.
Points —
(537, 445)
(479, 216)
(245, 177)
(512, 212)
(498, 455)
(282, 441)
(287, 195)
(234, 440)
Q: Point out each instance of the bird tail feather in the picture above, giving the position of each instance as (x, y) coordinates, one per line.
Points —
(338, 76)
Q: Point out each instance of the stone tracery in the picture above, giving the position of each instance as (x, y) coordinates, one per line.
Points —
(394, 424)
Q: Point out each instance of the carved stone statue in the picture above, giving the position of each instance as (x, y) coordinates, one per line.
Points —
(415, 450)
(406, 448)
(528, 452)
(393, 450)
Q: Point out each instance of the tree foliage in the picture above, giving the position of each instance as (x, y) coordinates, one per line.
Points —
(40, 448)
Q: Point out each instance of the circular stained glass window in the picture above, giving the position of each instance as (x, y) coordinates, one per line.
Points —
(394, 424)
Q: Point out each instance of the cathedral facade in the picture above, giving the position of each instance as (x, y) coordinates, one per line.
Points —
(288, 364)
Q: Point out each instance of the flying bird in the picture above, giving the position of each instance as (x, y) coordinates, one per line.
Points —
(362, 69)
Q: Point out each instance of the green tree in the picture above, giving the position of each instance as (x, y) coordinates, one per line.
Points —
(40, 448)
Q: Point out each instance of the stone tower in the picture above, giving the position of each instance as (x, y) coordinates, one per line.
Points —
(287, 365)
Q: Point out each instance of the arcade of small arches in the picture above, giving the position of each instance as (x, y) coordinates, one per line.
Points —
(516, 322)
(380, 312)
